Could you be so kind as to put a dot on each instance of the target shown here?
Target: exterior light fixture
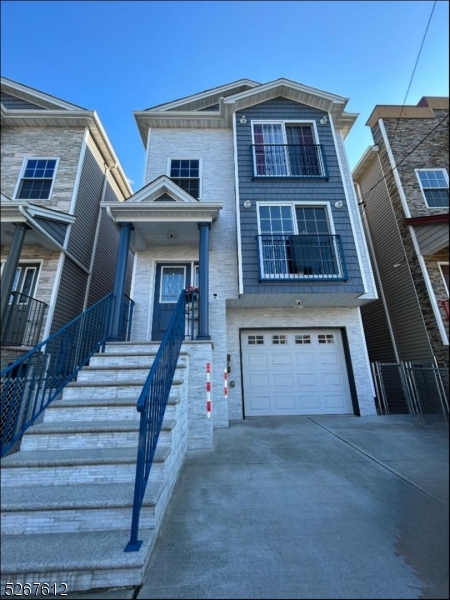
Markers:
(324, 120)
(247, 204)
(339, 204)
(243, 120)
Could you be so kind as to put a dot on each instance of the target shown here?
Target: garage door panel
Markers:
(283, 380)
(294, 372)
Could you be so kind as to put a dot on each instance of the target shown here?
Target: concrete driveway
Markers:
(296, 507)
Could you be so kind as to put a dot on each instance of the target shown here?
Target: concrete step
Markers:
(129, 359)
(69, 508)
(103, 409)
(120, 374)
(130, 347)
(84, 561)
(92, 434)
(67, 467)
(106, 389)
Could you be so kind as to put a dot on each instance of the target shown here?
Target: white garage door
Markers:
(295, 372)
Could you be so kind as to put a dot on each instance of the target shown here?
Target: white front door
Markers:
(295, 372)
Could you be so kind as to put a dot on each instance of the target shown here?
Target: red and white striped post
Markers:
(208, 390)
(225, 383)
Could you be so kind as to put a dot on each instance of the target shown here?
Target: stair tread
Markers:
(77, 457)
(109, 383)
(53, 552)
(115, 402)
(121, 368)
(76, 497)
(91, 426)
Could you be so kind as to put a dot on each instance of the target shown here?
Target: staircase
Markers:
(67, 496)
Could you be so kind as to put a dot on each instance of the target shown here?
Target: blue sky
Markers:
(116, 57)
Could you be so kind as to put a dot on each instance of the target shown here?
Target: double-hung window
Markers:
(186, 174)
(287, 150)
(434, 186)
(296, 242)
(37, 178)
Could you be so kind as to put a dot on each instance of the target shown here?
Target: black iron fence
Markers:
(411, 388)
(23, 321)
(289, 160)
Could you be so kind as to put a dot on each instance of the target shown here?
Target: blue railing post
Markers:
(119, 283)
(203, 301)
(10, 268)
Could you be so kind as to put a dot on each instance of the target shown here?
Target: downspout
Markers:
(97, 233)
(375, 266)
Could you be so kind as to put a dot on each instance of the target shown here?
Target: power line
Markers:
(414, 70)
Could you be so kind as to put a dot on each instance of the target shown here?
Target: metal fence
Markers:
(420, 390)
(23, 321)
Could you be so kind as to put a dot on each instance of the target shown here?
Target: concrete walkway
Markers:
(335, 507)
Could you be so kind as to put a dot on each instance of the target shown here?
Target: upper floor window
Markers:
(37, 178)
(287, 150)
(434, 186)
(186, 174)
(297, 242)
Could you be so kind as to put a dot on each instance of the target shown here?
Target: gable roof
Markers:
(48, 111)
(159, 186)
(193, 112)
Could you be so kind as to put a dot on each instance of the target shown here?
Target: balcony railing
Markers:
(445, 304)
(301, 257)
(23, 321)
(289, 160)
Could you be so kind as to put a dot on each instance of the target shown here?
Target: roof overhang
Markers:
(364, 163)
(71, 118)
(13, 212)
(222, 119)
(35, 96)
(429, 220)
(128, 212)
(394, 111)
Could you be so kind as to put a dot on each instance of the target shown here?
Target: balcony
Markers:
(23, 322)
(289, 161)
(306, 257)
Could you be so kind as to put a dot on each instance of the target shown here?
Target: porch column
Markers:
(10, 269)
(119, 284)
(203, 276)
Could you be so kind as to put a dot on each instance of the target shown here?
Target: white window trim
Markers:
(25, 262)
(283, 123)
(417, 171)
(443, 262)
(303, 204)
(200, 171)
(22, 171)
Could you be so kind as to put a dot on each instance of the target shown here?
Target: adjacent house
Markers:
(58, 247)
(402, 185)
(249, 184)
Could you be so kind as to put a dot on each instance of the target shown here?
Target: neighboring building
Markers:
(402, 183)
(58, 248)
(259, 174)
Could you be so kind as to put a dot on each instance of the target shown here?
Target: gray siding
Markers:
(104, 272)
(55, 229)
(404, 311)
(14, 103)
(82, 233)
(291, 190)
(70, 300)
(432, 238)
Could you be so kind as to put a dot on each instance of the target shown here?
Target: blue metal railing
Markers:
(31, 383)
(192, 299)
(314, 256)
(23, 322)
(126, 319)
(152, 404)
(289, 160)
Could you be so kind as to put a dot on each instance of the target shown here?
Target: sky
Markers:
(118, 57)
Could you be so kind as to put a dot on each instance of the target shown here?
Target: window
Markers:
(434, 186)
(279, 340)
(326, 339)
(173, 281)
(186, 174)
(286, 150)
(37, 179)
(253, 340)
(302, 339)
(296, 242)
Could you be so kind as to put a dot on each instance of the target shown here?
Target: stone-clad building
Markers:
(402, 183)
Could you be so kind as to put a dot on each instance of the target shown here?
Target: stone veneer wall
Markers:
(308, 317)
(430, 154)
(52, 142)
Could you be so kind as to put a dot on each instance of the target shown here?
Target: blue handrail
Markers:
(31, 383)
(152, 404)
